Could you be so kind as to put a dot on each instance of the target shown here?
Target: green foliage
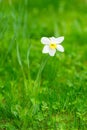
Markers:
(39, 92)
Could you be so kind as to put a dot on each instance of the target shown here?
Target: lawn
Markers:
(37, 91)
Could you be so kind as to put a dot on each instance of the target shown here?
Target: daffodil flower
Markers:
(52, 44)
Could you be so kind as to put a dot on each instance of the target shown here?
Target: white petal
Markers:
(60, 48)
(59, 39)
(45, 49)
(52, 52)
(45, 40)
(52, 39)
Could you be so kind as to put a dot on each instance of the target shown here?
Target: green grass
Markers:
(39, 92)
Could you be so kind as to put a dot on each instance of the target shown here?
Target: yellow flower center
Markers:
(53, 46)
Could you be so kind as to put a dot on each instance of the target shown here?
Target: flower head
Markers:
(52, 44)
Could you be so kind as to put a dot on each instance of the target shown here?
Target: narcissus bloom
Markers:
(52, 44)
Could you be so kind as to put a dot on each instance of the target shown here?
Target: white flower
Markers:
(52, 44)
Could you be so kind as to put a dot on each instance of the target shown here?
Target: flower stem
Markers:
(42, 66)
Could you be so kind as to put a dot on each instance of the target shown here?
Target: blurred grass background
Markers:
(59, 102)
